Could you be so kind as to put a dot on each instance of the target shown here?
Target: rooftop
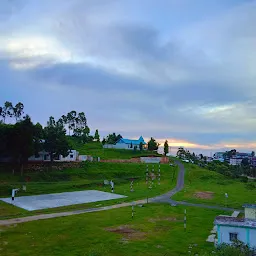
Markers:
(253, 206)
(237, 222)
(134, 142)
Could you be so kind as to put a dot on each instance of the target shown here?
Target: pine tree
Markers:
(166, 148)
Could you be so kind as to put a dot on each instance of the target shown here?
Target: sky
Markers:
(181, 70)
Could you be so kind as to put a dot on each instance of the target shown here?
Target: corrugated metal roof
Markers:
(250, 206)
(134, 142)
(237, 222)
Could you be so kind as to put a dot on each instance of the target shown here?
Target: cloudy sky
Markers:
(182, 70)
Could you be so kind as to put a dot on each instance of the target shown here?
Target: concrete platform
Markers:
(45, 201)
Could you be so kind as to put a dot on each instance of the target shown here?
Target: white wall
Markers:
(244, 234)
(120, 146)
(42, 156)
(252, 237)
(250, 213)
(72, 157)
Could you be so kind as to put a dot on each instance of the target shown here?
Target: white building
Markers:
(41, 157)
(72, 157)
(230, 229)
(235, 161)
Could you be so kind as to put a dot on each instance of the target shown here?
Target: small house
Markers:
(230, 229)
(127, 144)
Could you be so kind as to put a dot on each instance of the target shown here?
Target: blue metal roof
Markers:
(133, 142)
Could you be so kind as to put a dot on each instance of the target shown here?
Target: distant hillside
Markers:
(96, 149)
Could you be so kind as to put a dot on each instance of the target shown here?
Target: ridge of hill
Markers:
(96, 149)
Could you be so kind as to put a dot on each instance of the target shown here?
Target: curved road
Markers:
(165, 198)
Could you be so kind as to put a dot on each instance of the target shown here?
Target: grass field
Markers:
(91, 176)
(199, 180)
(96, 149)
(155, 230)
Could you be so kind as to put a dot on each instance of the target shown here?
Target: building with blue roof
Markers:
(130, 144)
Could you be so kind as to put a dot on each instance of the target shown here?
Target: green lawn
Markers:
(96, 149)
(200, 180)
(155, 230)
(90, 176)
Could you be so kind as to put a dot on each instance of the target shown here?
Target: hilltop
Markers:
(96, 149)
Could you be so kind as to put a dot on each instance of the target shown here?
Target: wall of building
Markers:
(72, 157)
(223, 234)
(250, 213)
(120, 146)
(252, 237)
(42, 156)
(245, 234)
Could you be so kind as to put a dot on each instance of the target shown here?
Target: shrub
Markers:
(250, 186)
(244, 179)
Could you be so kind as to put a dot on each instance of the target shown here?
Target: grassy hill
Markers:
(96, 149)
(155, 230)
(89, 177)
(204, 186)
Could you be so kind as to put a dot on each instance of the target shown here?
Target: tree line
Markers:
(22, 139)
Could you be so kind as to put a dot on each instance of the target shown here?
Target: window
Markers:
(232, 237)
(71, 156)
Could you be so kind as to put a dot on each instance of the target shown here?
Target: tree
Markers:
(141, 146)
(231, 153)
(97, 136)
(80, 124)
(37, 137)
(131, 145)
(71, 120)
(166, 148)
(245, 162)
(113, 138)
(7, 110)
(152, 144)
(56, 142)
(253, 154)
(22, 141)
(18, 111)
(181, 152)
(103, 141)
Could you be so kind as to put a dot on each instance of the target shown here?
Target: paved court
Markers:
(39, 202)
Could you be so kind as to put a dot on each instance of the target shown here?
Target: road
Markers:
(165, 198)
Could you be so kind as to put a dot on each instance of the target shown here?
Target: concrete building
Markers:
(235, 161)
(42, 156)
(71, 157)
(127, 144)
(253, 161)
(230, 229)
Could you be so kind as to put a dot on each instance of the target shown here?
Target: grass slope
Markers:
(90, 176)
(158, 230)
(198, 179)
(96, 149)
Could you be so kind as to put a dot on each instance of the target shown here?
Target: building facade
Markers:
(235, 161)
(127, 144)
